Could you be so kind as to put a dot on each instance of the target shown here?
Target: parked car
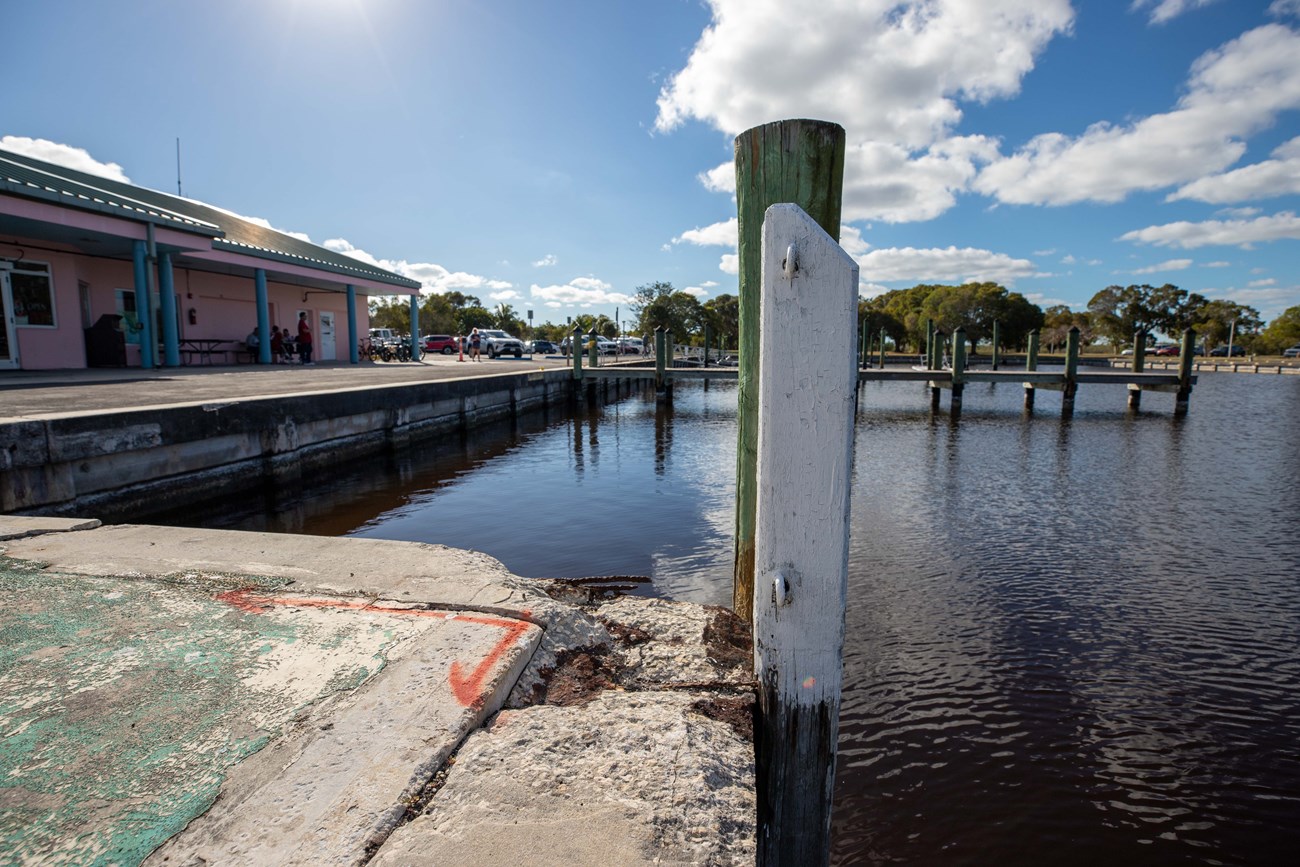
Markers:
(444, 343)
(604, 345)
(542, 347)
(497, 343)
(630, 345)
(1293, 352)
(1223, 350)
(1167, 349)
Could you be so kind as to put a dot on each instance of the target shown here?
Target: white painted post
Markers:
(806, 406)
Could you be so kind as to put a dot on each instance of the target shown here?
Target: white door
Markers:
(8, 340)
(327, 336)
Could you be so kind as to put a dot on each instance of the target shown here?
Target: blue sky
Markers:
(556, 155)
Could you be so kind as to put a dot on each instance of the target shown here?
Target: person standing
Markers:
(475, 344)
(304, 339)
(277, 345)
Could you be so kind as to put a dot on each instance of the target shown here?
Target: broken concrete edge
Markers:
(22, 527)
(625, 644)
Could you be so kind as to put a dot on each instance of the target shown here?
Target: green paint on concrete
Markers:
(123, 702)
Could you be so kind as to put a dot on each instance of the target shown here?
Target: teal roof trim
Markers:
(32, 178)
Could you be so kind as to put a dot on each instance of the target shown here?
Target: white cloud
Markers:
(1280, 8)
(909, 61)
(1260, 284)
(697, 291)
(941, 265)
(720, 179)
(724, 234)
(258, 221)
(63, 155)
(1217, 265)
(580, 291)
(851, 240)
(433, 277)
(1269, 300)
(730, 264)
(546, 261)
(1242, 233)
(709, 284)
(1232, 92)
(1170, 265)
(505, 295)
(1167, 10)
(871, 290)
(1068, 259)
(1279, 176)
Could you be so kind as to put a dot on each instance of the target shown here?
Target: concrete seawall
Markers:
(147, 459)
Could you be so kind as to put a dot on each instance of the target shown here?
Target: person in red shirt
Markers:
(304, 339)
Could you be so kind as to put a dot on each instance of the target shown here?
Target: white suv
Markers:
(496, 343)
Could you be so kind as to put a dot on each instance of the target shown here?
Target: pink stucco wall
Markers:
(223, 308)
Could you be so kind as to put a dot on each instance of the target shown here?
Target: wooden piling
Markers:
(996, 344)
(805, 459)
(882, 349)
(958, 368)
(799, 161)
(1139, 363)
(593, 349)
(1183, 396)
(929, 344)
(864, 345)
(708, 338)
(575, 346)
(1031, 363)
(1071, 384)
(660, 346)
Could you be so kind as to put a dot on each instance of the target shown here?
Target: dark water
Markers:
(1069, 642)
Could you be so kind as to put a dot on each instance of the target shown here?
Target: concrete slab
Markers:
(631, 778)
(125, 704)
(18, 527)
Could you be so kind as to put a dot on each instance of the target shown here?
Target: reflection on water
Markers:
(1068, 641)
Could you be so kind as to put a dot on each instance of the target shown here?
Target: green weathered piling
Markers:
(593, 348)
(882, 349)
(1139, 363)
(996, 344)
(929, 344)
(958, 369)
(1071, 384)
(660, 345)
(575, 347)
(1031, 363)
(1183, 396)
(794, 161)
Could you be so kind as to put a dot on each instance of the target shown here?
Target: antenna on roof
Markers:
(178, 166)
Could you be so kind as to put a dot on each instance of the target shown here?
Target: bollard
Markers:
(1071, 371)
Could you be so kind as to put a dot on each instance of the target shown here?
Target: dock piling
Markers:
(1183, 396)
(1031, 364)
(1071, 384)
(958, 368)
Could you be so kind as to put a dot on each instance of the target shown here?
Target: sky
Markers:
(557, 155)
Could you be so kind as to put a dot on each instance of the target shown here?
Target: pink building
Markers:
(164, 280)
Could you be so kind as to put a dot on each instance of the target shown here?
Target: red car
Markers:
(444, 343)
(1172, 349)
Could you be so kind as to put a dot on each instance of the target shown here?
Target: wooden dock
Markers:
(940, 376)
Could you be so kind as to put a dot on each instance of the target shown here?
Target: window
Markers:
(33, 294)
(126, 309)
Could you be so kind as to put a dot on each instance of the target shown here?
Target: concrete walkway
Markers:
(179, 696)
(33, 394)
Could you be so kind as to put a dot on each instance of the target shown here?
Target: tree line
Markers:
(1113, 316)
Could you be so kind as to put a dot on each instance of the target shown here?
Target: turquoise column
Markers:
(167, 302)
(263, 318)
(142, 312)
(354, 352)
(415, 327)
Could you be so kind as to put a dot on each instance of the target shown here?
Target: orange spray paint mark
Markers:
(468, 689)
